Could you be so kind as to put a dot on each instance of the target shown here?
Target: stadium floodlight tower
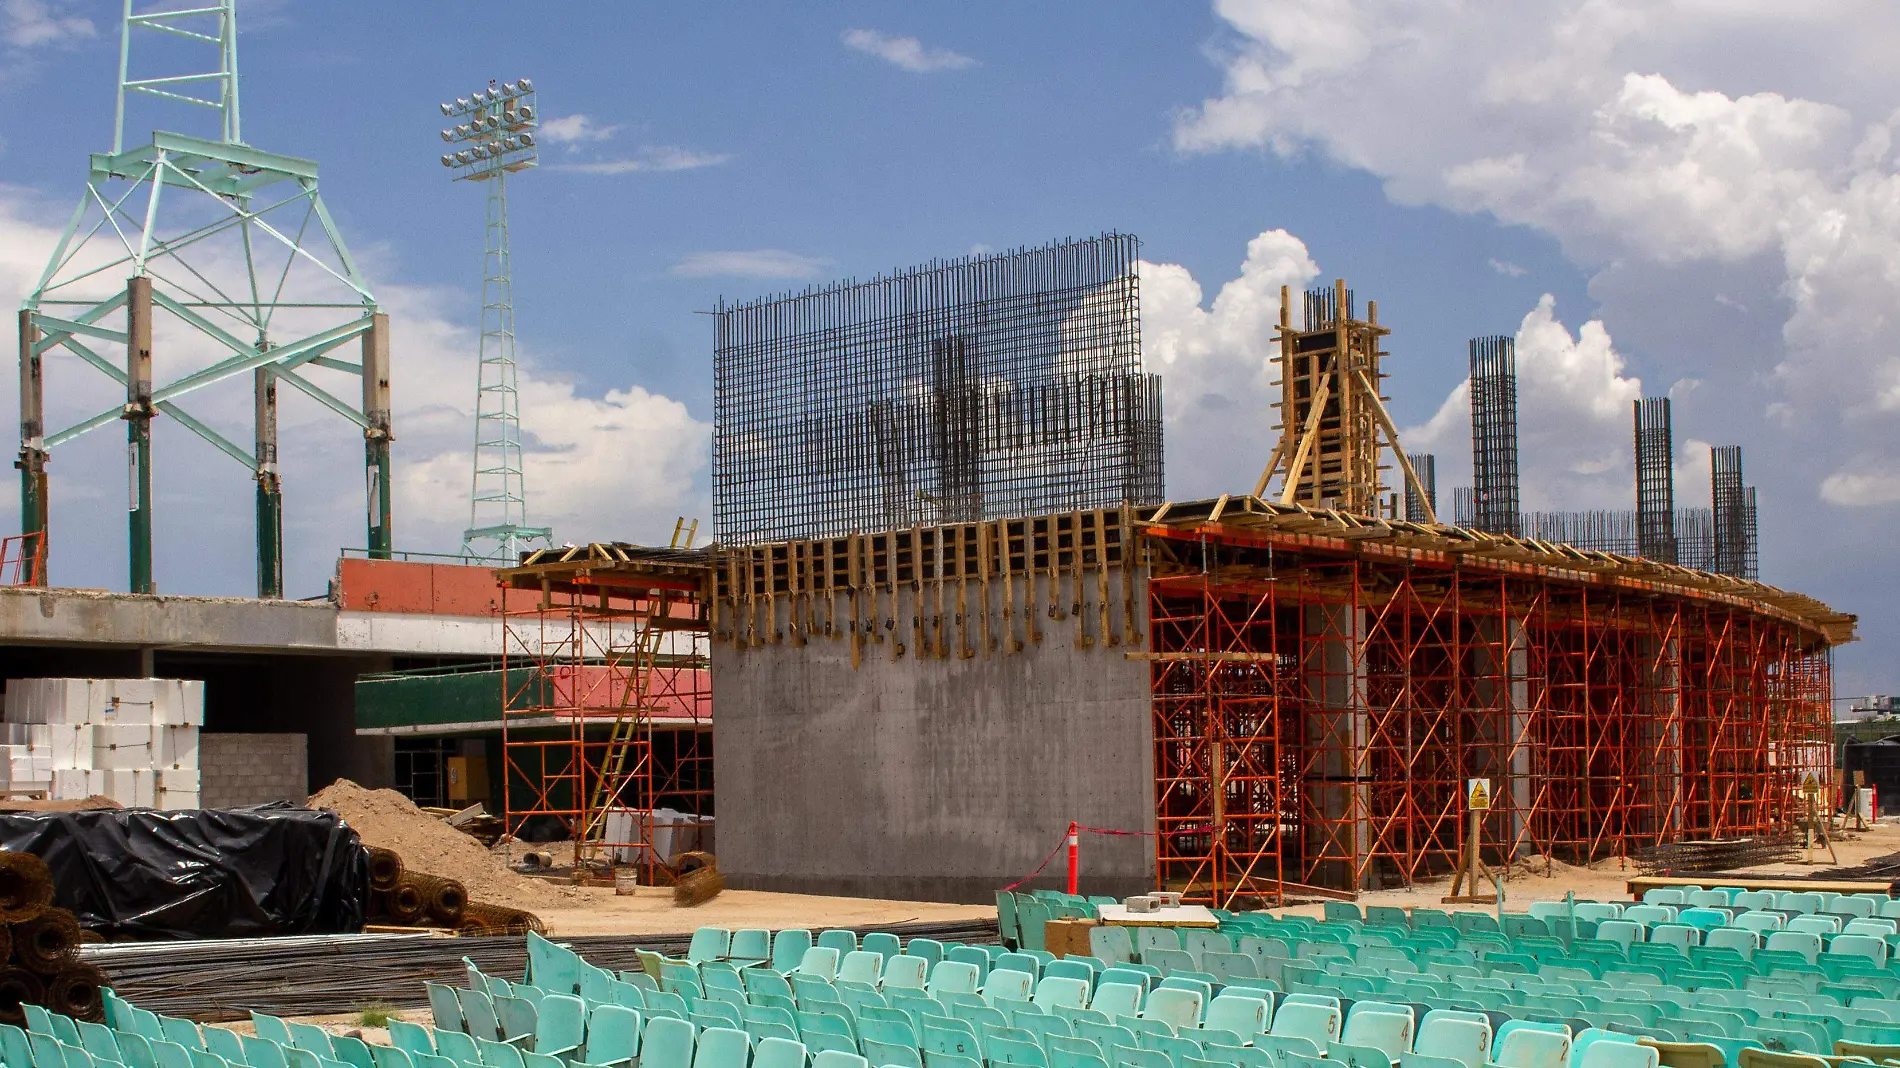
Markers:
(496, 139)
(210, 260)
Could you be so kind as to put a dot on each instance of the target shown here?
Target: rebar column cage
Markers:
(1494, 485)
(607, 697)
(1655, 479)
(1421, 500)
(1324, 685)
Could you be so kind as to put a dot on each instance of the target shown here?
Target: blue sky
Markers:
(1653, 183)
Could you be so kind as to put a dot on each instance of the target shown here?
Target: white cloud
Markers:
(570, 130)
(1508, 269)
(747, 263)
(907, 53)
(1216, 363)
(1573, 415)
(35, 23)
(653, 158)
(1862, 487)
(1647, 137)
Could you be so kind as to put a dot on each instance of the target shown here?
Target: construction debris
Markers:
(40, 947)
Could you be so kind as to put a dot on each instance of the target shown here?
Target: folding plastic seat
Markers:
(1806, 943)
(1527, 1044)
(778, 1053)
(788, 949)
(1056, 990)
(709, 943)
(1598, 911)
(1074, 1053)
(1718, 898)
(1383, 1026)
(904, 972)
(1111, 943)
(1760, 922)
(1170, 960)
(390, 1057)
(1874, 925)
(1751, 900)
(1649, 914)
(1791, 901)
(1821, 925)
(1872, 947)
(1118, 999)
(859, 966)
(1611, 1054)
(349, 1050)
(1005, 984)
(1240, 1014)
(1664, 895)
(1032, 916)
(1201, 942)
(1021, 961)
(832, 1058)
(882, 943)
(1675, 934)
(1147, 938)
(820, 963)
(953, 977)
(1450, 1041)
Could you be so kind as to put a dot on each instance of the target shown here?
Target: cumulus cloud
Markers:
(650, 158)
(1617, 127)
(1573, 405)
(1216, 363)
(747, 263)
(905, 53)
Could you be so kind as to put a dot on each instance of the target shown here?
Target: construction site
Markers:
(950, 738)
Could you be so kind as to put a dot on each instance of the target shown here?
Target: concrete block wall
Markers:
(936, 779)
(253, 769)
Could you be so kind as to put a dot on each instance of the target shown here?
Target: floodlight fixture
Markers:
(494, 135)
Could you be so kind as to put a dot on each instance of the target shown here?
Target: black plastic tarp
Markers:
(200, 873)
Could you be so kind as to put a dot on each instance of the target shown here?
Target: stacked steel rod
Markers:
(226, 979)
(39, 946)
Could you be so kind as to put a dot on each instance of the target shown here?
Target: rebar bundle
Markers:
(385, 868)
(982, 388)
(443, 900)
(26, 886)
(47, 942)
(224, 979)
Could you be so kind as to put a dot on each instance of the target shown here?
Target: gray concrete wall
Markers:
(934, 779)
(252, 769)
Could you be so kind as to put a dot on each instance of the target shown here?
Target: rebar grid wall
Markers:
(1425, 465)
(981, 388)
(1655, 479)
(1319, 702)
(1494, 434)
(606, 703)
(1620, 532)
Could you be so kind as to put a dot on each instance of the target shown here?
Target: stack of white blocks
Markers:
(133, 740)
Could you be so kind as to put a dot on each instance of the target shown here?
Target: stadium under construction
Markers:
(951, 611)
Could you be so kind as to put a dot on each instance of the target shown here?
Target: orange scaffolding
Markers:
(1321, 696)
(607, 697)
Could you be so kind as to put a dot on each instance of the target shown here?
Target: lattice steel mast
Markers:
(241, 236)
(496, 140)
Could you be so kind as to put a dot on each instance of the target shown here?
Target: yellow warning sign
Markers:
(1810, 783)
(1477, 794)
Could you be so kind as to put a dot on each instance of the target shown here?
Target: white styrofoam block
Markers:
(39, 736)
(132, 786)
(182, 705)
(71, 746)
(178, 747)
(192, 692)
(172, 800)
(180, 779)
(123, 745)
(19, 734)
(70, 784)
(136, 691)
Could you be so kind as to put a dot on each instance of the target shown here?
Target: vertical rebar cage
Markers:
(1655, 479)
(981, 388)
(1494, 434)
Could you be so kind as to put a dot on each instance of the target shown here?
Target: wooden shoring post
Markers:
(1083, 639)
(1131, 577)
(917, 591)
(894, 621)
(855, 578)
(1010, 644)
(1057, 609)
(1032, 602)
(1109, 637)
(941, 647)
(795, 587)
(964, 551)
(984, 540)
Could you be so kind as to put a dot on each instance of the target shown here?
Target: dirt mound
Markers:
(388, 819)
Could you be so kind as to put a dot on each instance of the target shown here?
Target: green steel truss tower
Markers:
(210, 260)
(496, 139)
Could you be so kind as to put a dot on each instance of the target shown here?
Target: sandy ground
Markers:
(651, 911)
(1609, 880)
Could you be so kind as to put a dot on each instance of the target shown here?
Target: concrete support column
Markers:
(1502, 689)
(1660, 781)
(377, 436)
(138, 430)
(1338, 779)
(270, 495)
(32, 463)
